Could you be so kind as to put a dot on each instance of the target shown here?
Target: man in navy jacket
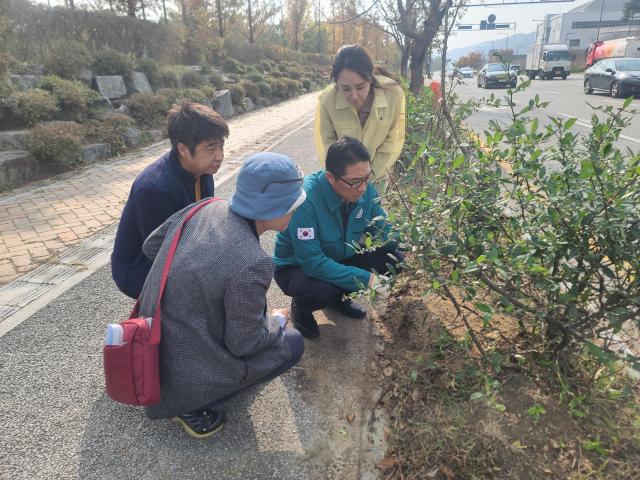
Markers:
(180, 177)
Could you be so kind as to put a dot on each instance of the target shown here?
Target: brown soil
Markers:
(527, 427)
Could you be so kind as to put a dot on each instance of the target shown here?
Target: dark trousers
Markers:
(296, 345)
(312, 294)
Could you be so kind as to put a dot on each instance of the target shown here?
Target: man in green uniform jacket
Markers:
(317, 259)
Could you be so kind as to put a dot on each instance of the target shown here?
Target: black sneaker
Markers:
(304, 322)
(350, 309)
(201, 423)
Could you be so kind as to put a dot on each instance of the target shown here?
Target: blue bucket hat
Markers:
(269, 186)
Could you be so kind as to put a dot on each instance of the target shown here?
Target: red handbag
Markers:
(132, 368)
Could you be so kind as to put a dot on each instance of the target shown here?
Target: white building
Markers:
(579, 27)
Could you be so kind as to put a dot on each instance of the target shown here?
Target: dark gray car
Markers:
(618, 76)
(496, 75)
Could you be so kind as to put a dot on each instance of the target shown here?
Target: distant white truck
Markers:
(548, 61)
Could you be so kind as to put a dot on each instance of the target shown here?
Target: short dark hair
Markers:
(193, 123)
(343, 152)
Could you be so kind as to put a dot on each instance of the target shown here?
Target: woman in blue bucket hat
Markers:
(217, 338)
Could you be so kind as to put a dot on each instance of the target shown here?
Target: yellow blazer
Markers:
(383, 133)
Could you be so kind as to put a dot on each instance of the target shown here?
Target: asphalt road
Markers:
(57, 422)
(566, 99)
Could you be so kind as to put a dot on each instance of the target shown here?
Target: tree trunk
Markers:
(144, 14)
(164, 10)
(131, 8)
(185, 13)
(404, 59)
(418, 52)
(220, 19)
(250, 19)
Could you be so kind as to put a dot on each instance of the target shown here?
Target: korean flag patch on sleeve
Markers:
(306, 233)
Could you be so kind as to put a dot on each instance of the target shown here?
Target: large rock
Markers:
(248, 105)
(96, 152)
(18, 167)
(101, 102)
(13, 140)
(140, 83)
(85, 76)
(222, 103)
(110, 86)
(25, 82)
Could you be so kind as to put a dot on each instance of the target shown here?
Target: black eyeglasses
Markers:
(290, 180)
(359, 183)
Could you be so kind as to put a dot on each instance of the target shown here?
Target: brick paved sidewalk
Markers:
(39, 221)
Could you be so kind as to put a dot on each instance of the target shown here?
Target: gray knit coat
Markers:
(215, 337)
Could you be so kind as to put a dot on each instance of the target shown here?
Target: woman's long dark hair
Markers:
(356, 59)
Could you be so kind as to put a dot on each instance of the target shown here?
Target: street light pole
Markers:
(600, 21)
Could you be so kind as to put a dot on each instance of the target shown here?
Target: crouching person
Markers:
(216, 337)
(316, 261)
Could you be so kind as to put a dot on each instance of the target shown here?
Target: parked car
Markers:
(496, 75)
(620, 77)
(466, 72)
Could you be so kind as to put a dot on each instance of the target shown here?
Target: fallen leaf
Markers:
(448, 472)
(350, 417)
(388, 371)
(518, 445)
(433, 473)
(386, 462)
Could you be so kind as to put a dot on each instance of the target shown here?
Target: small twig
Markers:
(461, 315)
(378, 402)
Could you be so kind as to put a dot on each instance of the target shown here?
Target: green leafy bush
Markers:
(33, 105)
(255, 77)
(57, 145)
(237, 93)
(150, 68)
(231, 65)
(267, 66)
(293, 87)
(73, 97)
(168, 77)
(67, 58)
(216, 80)
(192, 79)
(202, 95)
(250, 88)
(265, 89)
(540, 224)
(150, 108)
(278, 87)
(112, 62)
(112, 129)
(5, 85)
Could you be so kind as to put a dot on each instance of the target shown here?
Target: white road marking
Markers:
(585, 123)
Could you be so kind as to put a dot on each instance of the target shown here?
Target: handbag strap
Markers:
(155, 327)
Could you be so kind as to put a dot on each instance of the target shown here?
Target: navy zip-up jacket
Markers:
(163, 188)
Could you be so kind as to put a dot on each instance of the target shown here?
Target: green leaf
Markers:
(413, 375)
(476, 396)
(458, 161)
(500, 407)
(483, 307)
(569, 123)
(627, 102)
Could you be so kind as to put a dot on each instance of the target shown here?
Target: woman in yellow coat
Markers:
(364, 102)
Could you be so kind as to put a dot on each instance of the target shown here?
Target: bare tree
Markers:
(297, 10)
(258, 14)
(429, 14)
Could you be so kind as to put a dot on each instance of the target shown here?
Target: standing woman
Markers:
(364, 102)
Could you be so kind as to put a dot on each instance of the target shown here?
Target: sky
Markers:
(522, 15)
